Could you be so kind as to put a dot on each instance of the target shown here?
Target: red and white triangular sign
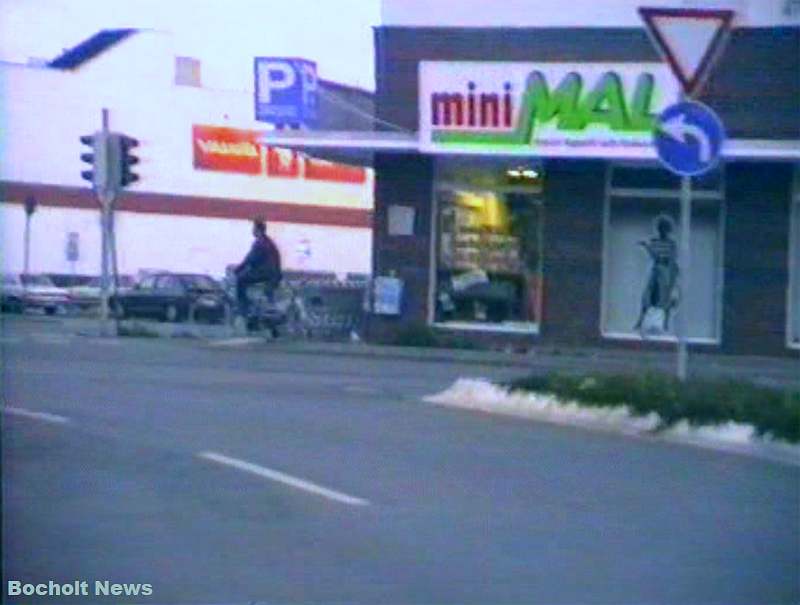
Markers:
(689, 40)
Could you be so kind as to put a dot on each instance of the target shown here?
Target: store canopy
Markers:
(351, 147)
(359, 146)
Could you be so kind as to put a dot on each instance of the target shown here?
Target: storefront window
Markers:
(488, 258)
(794, 268)
(644, 285)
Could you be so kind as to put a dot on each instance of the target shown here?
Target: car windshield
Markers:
(37, 280)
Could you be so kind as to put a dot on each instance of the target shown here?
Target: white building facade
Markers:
(198, 191)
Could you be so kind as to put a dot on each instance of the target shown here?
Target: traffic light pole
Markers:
(111, 161)
(106, 197)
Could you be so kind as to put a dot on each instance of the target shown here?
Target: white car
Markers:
(88, 295)
(20, 292)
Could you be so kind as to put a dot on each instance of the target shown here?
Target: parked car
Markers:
(171, 296)
(20, 292)
(87, 295)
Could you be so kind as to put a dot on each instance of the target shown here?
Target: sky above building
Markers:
(224, 34)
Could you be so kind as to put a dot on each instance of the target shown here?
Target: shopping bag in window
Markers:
(653, 323)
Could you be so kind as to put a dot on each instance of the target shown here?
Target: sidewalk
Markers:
(766, 370)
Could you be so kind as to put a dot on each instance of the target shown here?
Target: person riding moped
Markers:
(262, 265)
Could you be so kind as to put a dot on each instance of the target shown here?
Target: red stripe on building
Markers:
(178, 205)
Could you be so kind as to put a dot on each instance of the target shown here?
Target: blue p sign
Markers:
(286, 91)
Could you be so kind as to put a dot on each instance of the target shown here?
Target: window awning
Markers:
(350, 147)
(359, 146)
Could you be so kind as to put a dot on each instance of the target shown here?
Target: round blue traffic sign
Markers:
(688, 138)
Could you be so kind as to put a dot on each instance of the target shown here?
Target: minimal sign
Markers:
(286, 91)
(546, 109)
(688, 138)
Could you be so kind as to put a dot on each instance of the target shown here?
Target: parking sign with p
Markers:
(286, 91)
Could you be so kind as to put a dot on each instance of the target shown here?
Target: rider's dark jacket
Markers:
(263, 262)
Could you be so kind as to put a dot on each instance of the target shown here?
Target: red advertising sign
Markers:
(226, 149)
(231, 150)
(283, 163)
(322, 170)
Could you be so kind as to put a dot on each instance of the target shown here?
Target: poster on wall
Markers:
(388, 295)
(552, 109)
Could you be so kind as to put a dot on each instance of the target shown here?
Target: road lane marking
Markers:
(273, 475)
(50, 337)
(35, 415)
(361, 390)
(240, 341)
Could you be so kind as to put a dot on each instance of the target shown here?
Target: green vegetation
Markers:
(423, 336)
(136, 330)
(771, 411)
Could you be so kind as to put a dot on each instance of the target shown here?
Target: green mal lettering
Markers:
(604, 104)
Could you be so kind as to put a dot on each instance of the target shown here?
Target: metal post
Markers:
(27, 242)
(685, 254)
(106, 199)
(112, 242)
(104, 269)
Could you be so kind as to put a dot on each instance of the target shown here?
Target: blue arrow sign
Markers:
(688, 138)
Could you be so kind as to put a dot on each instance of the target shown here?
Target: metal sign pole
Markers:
(684, 261)
(27, 243)
(689, 136)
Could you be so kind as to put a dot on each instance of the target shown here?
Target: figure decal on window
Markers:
(661, 293)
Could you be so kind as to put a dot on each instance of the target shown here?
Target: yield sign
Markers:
(689, 40)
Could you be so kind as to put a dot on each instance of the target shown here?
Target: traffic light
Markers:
(97, 159)
(126, 160)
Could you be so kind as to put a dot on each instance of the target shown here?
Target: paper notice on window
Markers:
(401, 220)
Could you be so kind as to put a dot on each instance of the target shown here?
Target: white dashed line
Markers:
(300, 484)
(35, 415)
(241, 341)
(361, 390)
(51, 339)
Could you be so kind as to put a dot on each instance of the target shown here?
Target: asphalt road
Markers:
(232, 476)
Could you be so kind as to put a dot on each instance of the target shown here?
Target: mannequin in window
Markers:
(661, 291)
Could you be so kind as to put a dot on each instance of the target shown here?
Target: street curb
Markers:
(608, 420)
(372, 352)
(538, 359)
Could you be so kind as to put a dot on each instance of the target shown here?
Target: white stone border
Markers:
(482, 395)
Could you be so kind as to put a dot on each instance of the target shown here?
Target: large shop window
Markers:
(643, 284)
(793, 331)
(488, 249)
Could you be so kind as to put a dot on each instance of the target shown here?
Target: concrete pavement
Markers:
(765, 370)
(462, 507)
